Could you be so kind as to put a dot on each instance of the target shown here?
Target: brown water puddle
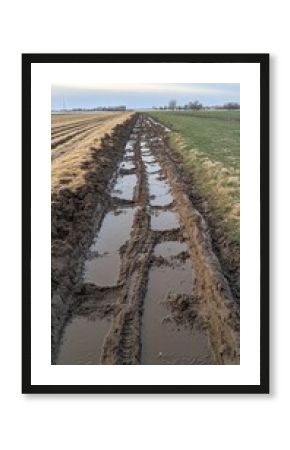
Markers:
(146, 153)
(129, 155)
(170, 249)
(156, 178)
(164, 220)
(130, 145)
(161, 200)
(159, 191)
(83, 340)
(163, 341)
(115, 230)
(103, 270)
(152, 168)
(127, 165)
(103, 265)
(124, 187)
(148, 158)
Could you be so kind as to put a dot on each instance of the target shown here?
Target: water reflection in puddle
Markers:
(103, 266)
(129, 155)
(127, 165)
(146, 153)
(159, 191)
(164, 220)
(162, 200)
(124, 187)
(163, 341)
(148, 158)
(152, 168)
(115, 230)
(82, 341)
(103, 270)
(168, 249)
(130, 145)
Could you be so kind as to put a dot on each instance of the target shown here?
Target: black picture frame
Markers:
(263, 61)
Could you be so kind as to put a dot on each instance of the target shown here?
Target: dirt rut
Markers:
(149, 289)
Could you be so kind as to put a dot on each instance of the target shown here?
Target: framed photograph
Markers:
(145, 223)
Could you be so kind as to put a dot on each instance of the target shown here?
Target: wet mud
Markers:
(146, 286)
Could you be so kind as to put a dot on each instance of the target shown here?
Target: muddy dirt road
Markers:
(149, 289)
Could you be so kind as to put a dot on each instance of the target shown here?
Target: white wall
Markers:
(53, 422)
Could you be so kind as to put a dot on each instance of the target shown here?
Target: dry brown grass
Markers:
(68, 118)
(66, 169)
(220, 185)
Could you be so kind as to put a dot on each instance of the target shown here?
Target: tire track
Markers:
(216, 308)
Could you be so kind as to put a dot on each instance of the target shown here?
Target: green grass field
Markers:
(209, 142)
(215, 133)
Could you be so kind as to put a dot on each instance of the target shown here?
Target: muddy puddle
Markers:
(103, 270)
(164, 220)
(161, 200)
(127, 165)
(129, 155)
(163, 340)
(152, 168)
(148, 158)
(82, 341)
(130, 145)
(124, 187)
(169, 249)
(159, 189)
(103, 265)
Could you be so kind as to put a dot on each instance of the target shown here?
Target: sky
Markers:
(141, 95)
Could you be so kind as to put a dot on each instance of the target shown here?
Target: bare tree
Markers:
(172, 104)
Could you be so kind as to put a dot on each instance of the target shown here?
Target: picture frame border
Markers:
(261, 58)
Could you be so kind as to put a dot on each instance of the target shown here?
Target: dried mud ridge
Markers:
(145, 165)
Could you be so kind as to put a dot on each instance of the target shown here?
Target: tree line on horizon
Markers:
(96, 108)
(195, 106)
